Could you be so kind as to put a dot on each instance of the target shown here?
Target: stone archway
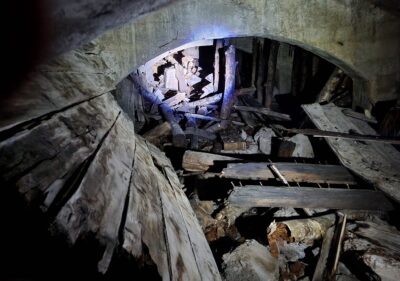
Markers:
(64, 119)
(356, 36)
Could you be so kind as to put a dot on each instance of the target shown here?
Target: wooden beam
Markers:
(260, 69)
(60, 144)
(373, 161)
(194, 161)
(205, 101)
(296, 70)
(211, 118)
(331, 134)
(269, 84)
(218, 45)
(308, 197)
(264, 111)
(254, 62)
(349, 112)
(292, 172)
(229, 87)
(178, 136)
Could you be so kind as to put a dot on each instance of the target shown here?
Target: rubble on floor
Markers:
(250, 261)
(277, 199)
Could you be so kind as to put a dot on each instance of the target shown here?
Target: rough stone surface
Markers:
(250, 261)
(76, 22)
(362, 39)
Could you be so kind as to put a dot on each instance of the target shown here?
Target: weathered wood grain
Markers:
(320, 270)
(60, 145)
(229, 85)
(308, 197)
(168, 226)
(375, 162)
(264, 111)
(380, 234)
(194, 161)
(271, 70)
(292, 172)
(98, 203)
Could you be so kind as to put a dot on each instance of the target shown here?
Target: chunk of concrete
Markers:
(250, 261)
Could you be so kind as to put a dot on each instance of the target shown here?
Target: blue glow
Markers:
(208, 31)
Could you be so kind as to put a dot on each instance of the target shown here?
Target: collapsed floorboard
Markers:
(96, 206)
(292, 172)
(108, 184)
(168, 226)
(308, 197)
(60, 144)
(377, 163)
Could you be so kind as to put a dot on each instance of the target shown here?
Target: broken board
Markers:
(251, 196)
(292, 172)
(377, 163)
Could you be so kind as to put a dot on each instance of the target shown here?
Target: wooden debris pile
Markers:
(277, 198)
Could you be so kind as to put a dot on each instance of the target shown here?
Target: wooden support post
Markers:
(269, 86)
(306, 66)
(254, 63)
(218, 45)
(260, 70)
(296, 71)
(228, 99)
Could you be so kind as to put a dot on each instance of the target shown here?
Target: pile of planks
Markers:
(195, 103)
(289, 198)
(312, 220)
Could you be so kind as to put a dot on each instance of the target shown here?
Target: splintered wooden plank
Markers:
(60, 144)
(308, 197)
(377, 163)
(292, 172)
(97, 205)
(159, 216)
(195, 161)
(263, 111)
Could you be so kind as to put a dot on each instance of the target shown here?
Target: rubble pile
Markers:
(276, 197)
